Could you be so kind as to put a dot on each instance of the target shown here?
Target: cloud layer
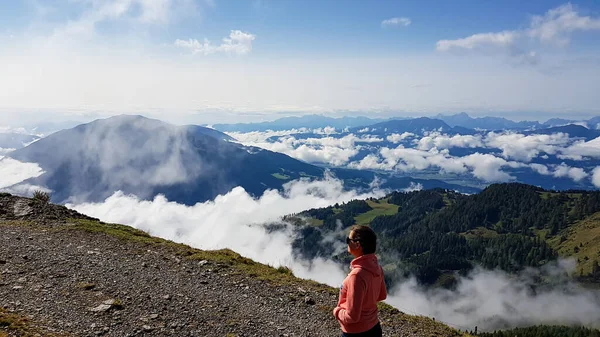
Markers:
(487, 299)
(13, 171)
(486, 156)
(234, 221)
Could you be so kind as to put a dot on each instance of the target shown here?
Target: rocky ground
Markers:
(64, 274)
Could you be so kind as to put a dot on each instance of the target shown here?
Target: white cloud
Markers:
(412, 187)
(327, 155)
(234, 221)
(238, 42)
(328, 130)
(327, 150)
(439, 141)
(253, 137)
(4, 151)
(498, 40)
(596, 176)
(564, 170)
(397, 138)
(371, 162)
(13, 171)
(555, 26)
(580, 150)
(130, 11)
(397, 21)
(540, 168)
(488, 167)
(558, 23)
(525, 148)
(494, 300)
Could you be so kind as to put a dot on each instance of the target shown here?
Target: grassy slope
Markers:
(281, 276)
(379, 208)
(585, 235)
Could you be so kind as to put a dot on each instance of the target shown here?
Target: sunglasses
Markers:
(348, 240)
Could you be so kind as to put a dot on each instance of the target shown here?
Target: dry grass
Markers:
(16, 325)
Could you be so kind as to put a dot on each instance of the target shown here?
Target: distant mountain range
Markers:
(187, 164)
(417, 126)
(308, 121)
(453, 121)
(572, 130)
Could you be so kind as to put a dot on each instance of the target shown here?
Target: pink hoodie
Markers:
(362, 289)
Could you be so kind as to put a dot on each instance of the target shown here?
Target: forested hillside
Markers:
(545, 331)
(435, 234)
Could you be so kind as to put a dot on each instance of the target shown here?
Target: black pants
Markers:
(374, 332)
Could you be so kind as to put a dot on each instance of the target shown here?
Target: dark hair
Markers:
(367, 238)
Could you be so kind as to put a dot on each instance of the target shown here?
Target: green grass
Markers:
(585, 235)
(380, 208)
(479, 232)
(281, 176)
(315, 222)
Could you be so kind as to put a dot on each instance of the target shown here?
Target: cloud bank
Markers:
(487, 299)
(13, 171)
(234, 220)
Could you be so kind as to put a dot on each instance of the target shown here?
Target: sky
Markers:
(211, 61)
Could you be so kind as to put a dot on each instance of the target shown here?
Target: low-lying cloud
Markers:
(486, 167)
(336, 151)
(234, 220)
(13, 171)
(486, 156)
(487, 299)
(495, 300)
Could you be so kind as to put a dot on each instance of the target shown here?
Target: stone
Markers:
(101, 308)
(308, 300)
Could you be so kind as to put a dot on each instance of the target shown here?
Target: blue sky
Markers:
(531, 59)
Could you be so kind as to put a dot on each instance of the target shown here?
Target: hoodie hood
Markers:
(367, 262)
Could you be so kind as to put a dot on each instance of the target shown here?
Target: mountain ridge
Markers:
(462, 120)
(186, 164)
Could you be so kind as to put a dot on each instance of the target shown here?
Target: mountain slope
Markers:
(435, 234)
(147, 157)
(81, 277)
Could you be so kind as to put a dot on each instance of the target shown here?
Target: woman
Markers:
(356, 310)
